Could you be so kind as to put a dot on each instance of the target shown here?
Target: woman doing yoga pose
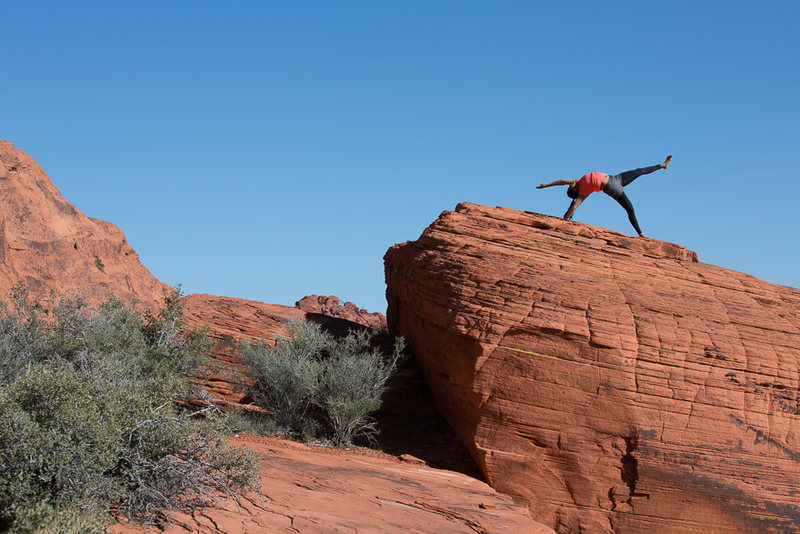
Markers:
(612, 186)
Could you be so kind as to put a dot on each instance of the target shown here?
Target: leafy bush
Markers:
(311, 372)
(88, 418)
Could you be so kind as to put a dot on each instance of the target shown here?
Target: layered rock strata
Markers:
(230, 321)
(612, 384)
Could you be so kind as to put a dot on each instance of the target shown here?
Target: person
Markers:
(612, 186)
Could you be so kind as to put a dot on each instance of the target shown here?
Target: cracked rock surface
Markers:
(611, 383)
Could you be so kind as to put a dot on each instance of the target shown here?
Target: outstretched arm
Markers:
(557, 182)
(572, 208)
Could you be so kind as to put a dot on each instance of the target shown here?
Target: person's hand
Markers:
(541, 186)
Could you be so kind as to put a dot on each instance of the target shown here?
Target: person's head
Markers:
(572, 191)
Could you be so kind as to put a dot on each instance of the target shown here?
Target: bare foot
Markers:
(666, 162)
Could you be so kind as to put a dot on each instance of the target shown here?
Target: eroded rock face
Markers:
(612, 384)
(49, 245)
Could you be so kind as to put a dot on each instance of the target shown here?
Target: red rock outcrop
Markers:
(349, 311)
(318, 490)
(612, 384)
(50, 246)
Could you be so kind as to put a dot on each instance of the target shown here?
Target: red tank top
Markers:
(589, 183)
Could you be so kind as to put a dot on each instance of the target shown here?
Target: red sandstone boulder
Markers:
(51, 246)
(612, 384)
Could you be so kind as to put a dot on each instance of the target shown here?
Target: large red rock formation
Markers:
(50, 246)
(612, 384)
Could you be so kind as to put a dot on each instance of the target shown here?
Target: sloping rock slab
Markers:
(319, 490)
(231, 321)
(613, 384)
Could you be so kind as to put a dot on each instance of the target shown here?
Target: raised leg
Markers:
(629, 176)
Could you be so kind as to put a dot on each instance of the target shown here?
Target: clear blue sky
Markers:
(270, 150)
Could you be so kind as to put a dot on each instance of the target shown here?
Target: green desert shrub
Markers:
(89, 420)
(43, 518)
(311, 380)
(287, 376)
(22, 335)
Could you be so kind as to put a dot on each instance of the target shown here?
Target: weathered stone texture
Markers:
(231, 321)
(612, 384)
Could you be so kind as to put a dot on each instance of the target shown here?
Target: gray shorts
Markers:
(614, 187)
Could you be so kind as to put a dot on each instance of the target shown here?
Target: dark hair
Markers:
(572, 191)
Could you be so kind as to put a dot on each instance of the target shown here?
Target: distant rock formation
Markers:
(50, 246)
(330, 306)
(612, 384)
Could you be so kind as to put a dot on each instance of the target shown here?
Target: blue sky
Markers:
(270, 150)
